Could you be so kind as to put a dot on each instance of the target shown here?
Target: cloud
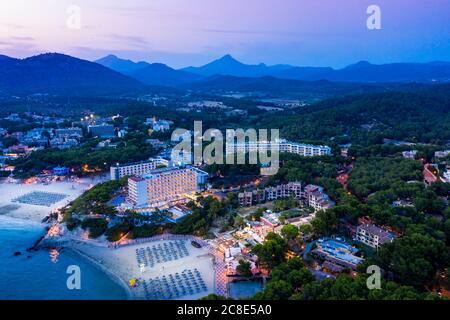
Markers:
(13, 26)
(129, 8)
(274, 32)
(18, 38)
(134, 41)
(19, 46)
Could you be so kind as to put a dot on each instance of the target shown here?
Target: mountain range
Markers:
(54, 73)
(362, 71)
(227, 65)
(149, 73)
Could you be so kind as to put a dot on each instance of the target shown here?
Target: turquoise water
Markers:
(244, 289)
(42, 274)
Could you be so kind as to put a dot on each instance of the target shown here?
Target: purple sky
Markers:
(192, 32)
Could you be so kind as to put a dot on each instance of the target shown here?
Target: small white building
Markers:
(159, 125)
(442, 154)
(447, 176)
(411, 154)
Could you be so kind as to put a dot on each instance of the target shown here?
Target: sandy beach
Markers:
(121, 264)
(11, 191)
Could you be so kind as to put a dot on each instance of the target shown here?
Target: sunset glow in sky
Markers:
(192, 32)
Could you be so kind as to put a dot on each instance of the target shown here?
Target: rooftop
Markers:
(136, 179)
(339, 249)
(373, 229)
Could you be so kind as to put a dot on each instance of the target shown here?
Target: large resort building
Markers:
(137, 169)
(165, 186)
(306, 150)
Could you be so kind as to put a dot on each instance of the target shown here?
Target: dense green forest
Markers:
(367, 119)
(412, 264)
(373, 174)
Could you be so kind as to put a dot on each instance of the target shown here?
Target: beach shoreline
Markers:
(121, 262)
(114, 277)
(9, 192)
(36, 214)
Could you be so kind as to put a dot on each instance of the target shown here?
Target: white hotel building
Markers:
(161, 187)
(137, 169)
(306, 150)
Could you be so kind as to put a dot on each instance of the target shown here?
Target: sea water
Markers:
(43, 274)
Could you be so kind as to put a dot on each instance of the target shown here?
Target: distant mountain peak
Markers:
(114, 58)
(52, 57)
(360, 64)
(228, 65)
(124, 66)
(362, 71)
(110, 57)
(228, 57)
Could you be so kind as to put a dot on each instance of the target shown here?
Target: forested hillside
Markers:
(415, 117)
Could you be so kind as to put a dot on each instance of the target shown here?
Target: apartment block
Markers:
(284, 191)
(317, 198)
(101, 130)
(311, 195)
(249, 198)
(283, 145)
(373, 236)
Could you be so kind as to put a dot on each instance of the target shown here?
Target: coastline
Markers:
(9, 192)
(44, 268)
(43, 242)
(120, 263)
(33, 214)
(114, 277)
